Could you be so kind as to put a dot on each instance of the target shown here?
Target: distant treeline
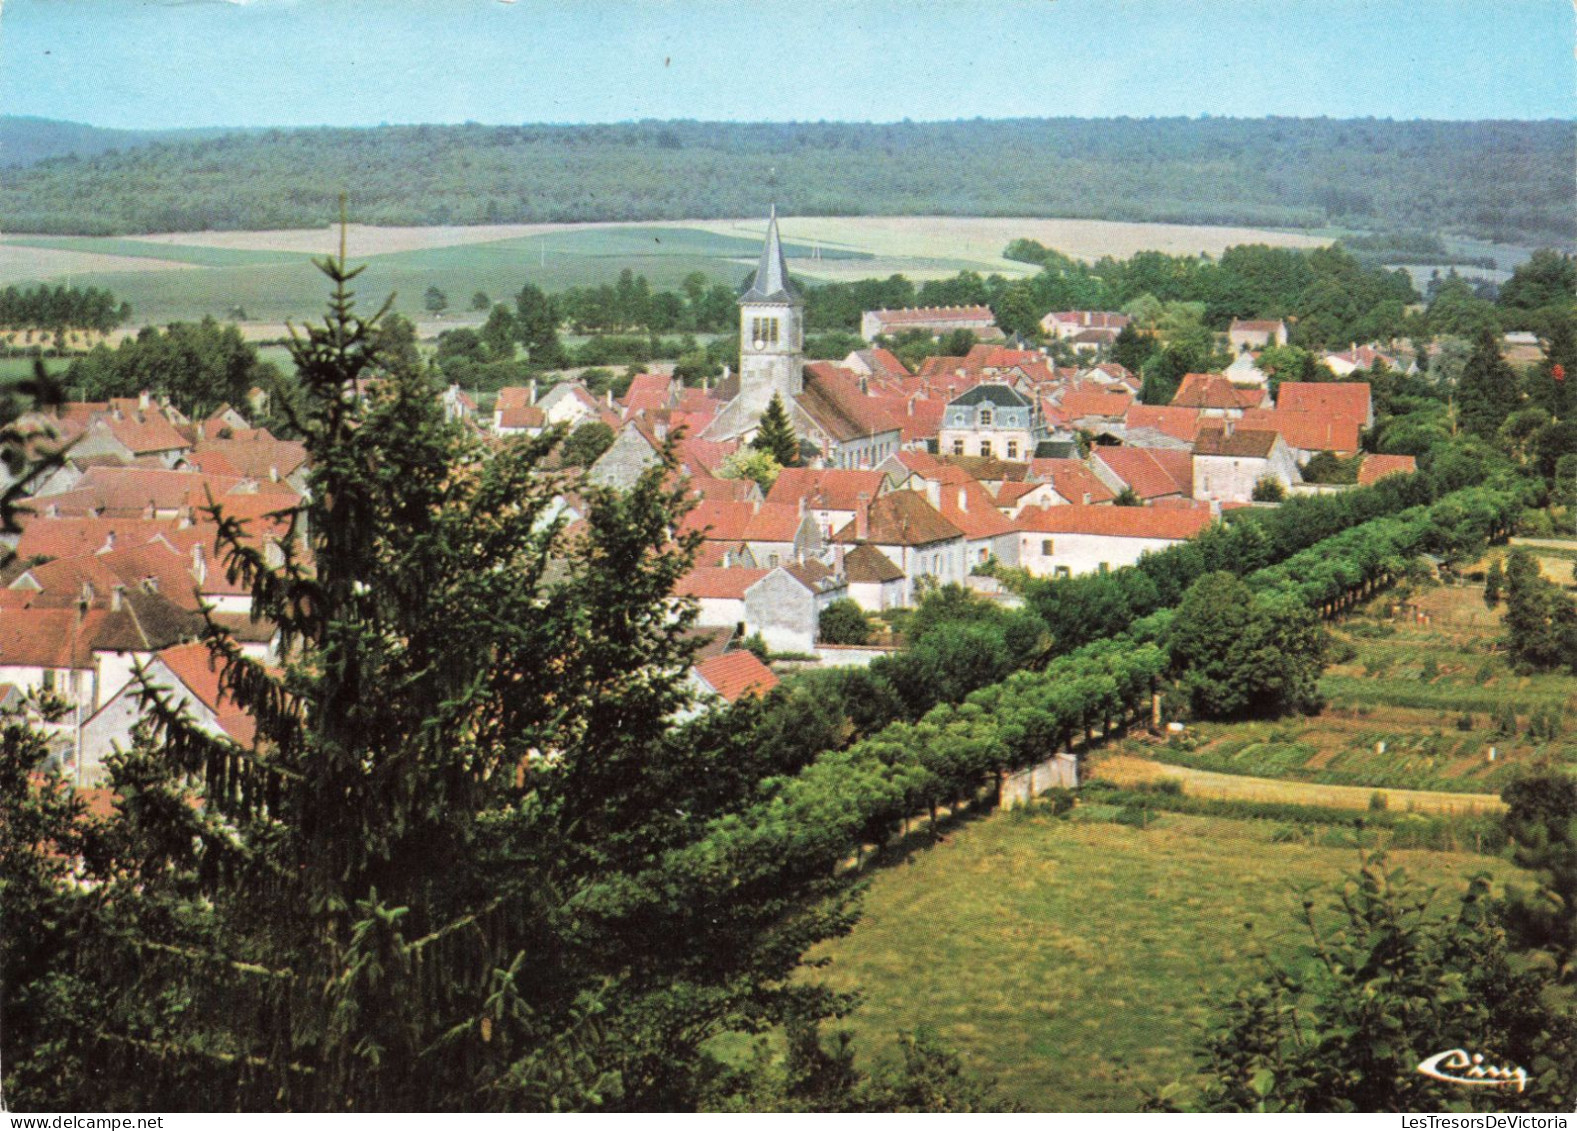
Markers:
(1504, 181)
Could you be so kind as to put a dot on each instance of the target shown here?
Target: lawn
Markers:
(1074, 960)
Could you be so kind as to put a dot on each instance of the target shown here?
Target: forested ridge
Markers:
(1502, 180)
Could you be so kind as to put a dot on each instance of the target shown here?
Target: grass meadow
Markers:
(1075, 959)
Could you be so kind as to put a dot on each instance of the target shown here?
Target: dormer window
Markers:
(985, 418)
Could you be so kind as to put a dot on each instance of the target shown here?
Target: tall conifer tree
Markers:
(776, 435)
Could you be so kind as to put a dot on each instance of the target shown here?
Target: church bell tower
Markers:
(771, 329)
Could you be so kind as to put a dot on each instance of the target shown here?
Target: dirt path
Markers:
(1546, 543)
(1125, 769)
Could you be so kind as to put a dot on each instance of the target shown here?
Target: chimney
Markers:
(109, 543)
(117, 597)
(933, 493)
(610, 398)
(963, 499)
(199, 564)
(142, 401)
(862, 517)
(532, 396)
(661, 428)
(1086, 498)
(802, 506)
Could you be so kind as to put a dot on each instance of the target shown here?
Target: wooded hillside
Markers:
(1506, 181)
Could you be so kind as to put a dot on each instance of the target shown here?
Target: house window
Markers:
(49, 679)
(958, 447)
(1063, 571)
(1012, 449)
(772, 562)
(1106, 567)
(985, 448)
(1046, 547)
(985, 418)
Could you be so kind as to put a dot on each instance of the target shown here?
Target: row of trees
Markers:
(54, 309)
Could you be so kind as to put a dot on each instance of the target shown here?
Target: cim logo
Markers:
(1458, 1066)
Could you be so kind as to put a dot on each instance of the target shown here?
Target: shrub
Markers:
(1465, 722)
(1378, 802)
(844, 622)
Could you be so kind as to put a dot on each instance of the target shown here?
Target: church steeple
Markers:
(772, 283)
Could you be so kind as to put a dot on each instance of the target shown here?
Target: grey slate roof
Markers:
(992, 392)
(772, 282)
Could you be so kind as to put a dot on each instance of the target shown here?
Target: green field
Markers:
(269, 274)
(1074, 959)
(1430, 692)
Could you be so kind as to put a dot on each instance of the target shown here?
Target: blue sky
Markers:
(164, 63)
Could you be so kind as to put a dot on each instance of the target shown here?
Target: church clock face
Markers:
(760, 345)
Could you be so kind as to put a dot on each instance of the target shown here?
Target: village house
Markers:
(719, 594)
(1230, 462)
(188, 675)
(830, 495)
(727, 678)
(875, 583)
(1356, 357)
(1075, 540)
(935, 320)
(1306, 433)
(908, 528)
(1214, 395)
(988, 535)
(1087, 330)
(991, 420)
(785, 606)
(1249, 334)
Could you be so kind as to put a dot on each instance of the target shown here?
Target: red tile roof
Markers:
(196, 667)
(722, 490)
(866, 565)
(902, 518)
(1306, 431)
(1257, 326)
(1346, 399)
(832, 398)
(918, 315)
(1092, 400)
(1115, 522)
(717, 583)
(774, 522)
(743, 522)
(1071, 479)
(1176, 421)
(647, 391)
(1153, 473)
(49, 637)
(735, 674)
(971, 508)
(1215, 390)
(1377, 467)
(1240, 443)
(828, 489)
(68, 537)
